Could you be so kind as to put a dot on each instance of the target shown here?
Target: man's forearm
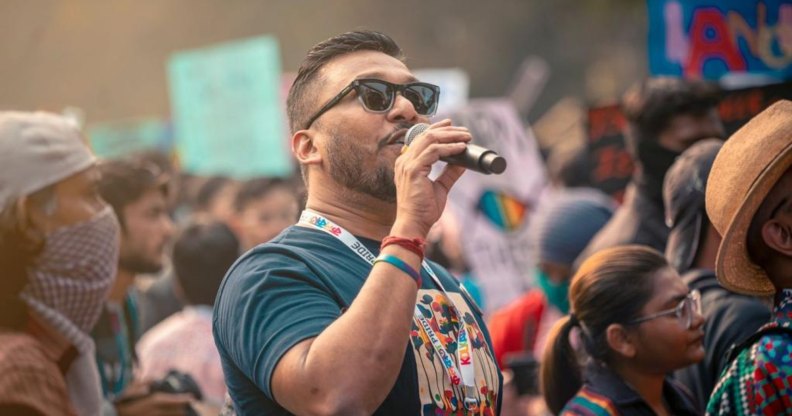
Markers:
(353, 364)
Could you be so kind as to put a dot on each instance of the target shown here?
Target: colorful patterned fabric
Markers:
(759, 380)
(588, 403)
(605, 393)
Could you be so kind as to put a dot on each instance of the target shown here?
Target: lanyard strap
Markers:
(465, 359)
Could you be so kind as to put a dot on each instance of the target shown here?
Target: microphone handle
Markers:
(479, 159)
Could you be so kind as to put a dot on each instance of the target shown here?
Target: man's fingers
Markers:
(444, 135)
(441, 123)
(436, 151)
(449, 176)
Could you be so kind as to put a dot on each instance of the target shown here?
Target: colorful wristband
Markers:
(401, 265)
(416, 245)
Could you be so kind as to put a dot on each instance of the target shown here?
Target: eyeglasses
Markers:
(685, 311)
(377, 96)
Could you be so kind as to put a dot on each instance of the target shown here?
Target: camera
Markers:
(176, 382)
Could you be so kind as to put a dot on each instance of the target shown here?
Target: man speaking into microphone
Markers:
(341, 313)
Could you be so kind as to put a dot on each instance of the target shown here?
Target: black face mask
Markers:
(655, 161)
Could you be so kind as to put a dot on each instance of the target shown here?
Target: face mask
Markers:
(73, 274)
(557, 294)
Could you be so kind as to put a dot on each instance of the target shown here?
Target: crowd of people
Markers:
(132, 288)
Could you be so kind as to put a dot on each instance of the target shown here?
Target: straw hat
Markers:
(746, 168)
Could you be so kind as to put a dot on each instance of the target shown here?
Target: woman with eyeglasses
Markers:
(636, 321)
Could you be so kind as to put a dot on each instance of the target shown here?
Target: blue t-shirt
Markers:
(293, 287)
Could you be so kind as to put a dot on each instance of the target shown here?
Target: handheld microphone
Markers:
(474, 157)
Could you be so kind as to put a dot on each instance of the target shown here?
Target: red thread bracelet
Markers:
(416, 245)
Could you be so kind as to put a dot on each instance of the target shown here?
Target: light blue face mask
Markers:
(557, 293)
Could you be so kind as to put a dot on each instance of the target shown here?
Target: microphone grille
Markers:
(414, 132)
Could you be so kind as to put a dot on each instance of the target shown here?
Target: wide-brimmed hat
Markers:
(750, 163)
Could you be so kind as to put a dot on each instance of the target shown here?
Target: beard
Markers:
(139, 264)
(346, 162)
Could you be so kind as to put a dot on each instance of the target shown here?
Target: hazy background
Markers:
(109, 57)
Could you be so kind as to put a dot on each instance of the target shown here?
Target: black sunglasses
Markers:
(378, 96)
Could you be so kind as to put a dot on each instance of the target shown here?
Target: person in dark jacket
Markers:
(692, 248)
(637, 321)
(665, 116)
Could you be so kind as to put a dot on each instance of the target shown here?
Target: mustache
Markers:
(384, 141)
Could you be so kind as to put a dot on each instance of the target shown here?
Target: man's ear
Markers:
(304, 148)
(620, 340)
(778, 236)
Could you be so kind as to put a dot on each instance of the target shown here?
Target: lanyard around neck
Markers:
(464, 374)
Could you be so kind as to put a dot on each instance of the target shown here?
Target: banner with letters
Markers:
(716, 38)
(494, 211)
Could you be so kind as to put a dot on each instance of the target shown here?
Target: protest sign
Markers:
(716, 38)
(227, 110)
(495, 210)
(611, 166)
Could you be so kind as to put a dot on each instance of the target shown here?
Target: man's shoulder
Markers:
(293, 247)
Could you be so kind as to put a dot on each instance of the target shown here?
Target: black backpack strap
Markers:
(737, 348)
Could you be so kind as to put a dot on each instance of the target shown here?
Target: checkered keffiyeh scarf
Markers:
(68, 283)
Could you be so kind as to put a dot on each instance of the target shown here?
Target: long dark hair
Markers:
(612, 286)
(19, 247)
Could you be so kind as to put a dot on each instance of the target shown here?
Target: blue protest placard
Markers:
(714, 39)
(227, 111)
(123, 137)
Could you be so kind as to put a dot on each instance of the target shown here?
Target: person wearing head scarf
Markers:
(59, 246)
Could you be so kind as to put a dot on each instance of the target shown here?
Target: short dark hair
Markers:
(570, 168)
(124, 181)
(209, 190)
(300, 105)
(257, 188)
(650, 105)
(202, 254)
(163, 161)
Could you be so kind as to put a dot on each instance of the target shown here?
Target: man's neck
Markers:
(780, 272)
(124, 279)
(361, 215)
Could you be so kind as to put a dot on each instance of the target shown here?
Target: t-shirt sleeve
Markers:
(269, 303)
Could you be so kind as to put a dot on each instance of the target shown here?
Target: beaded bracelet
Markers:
(401, 265)
(416, 245)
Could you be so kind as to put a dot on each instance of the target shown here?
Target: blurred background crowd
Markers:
(610, 113)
